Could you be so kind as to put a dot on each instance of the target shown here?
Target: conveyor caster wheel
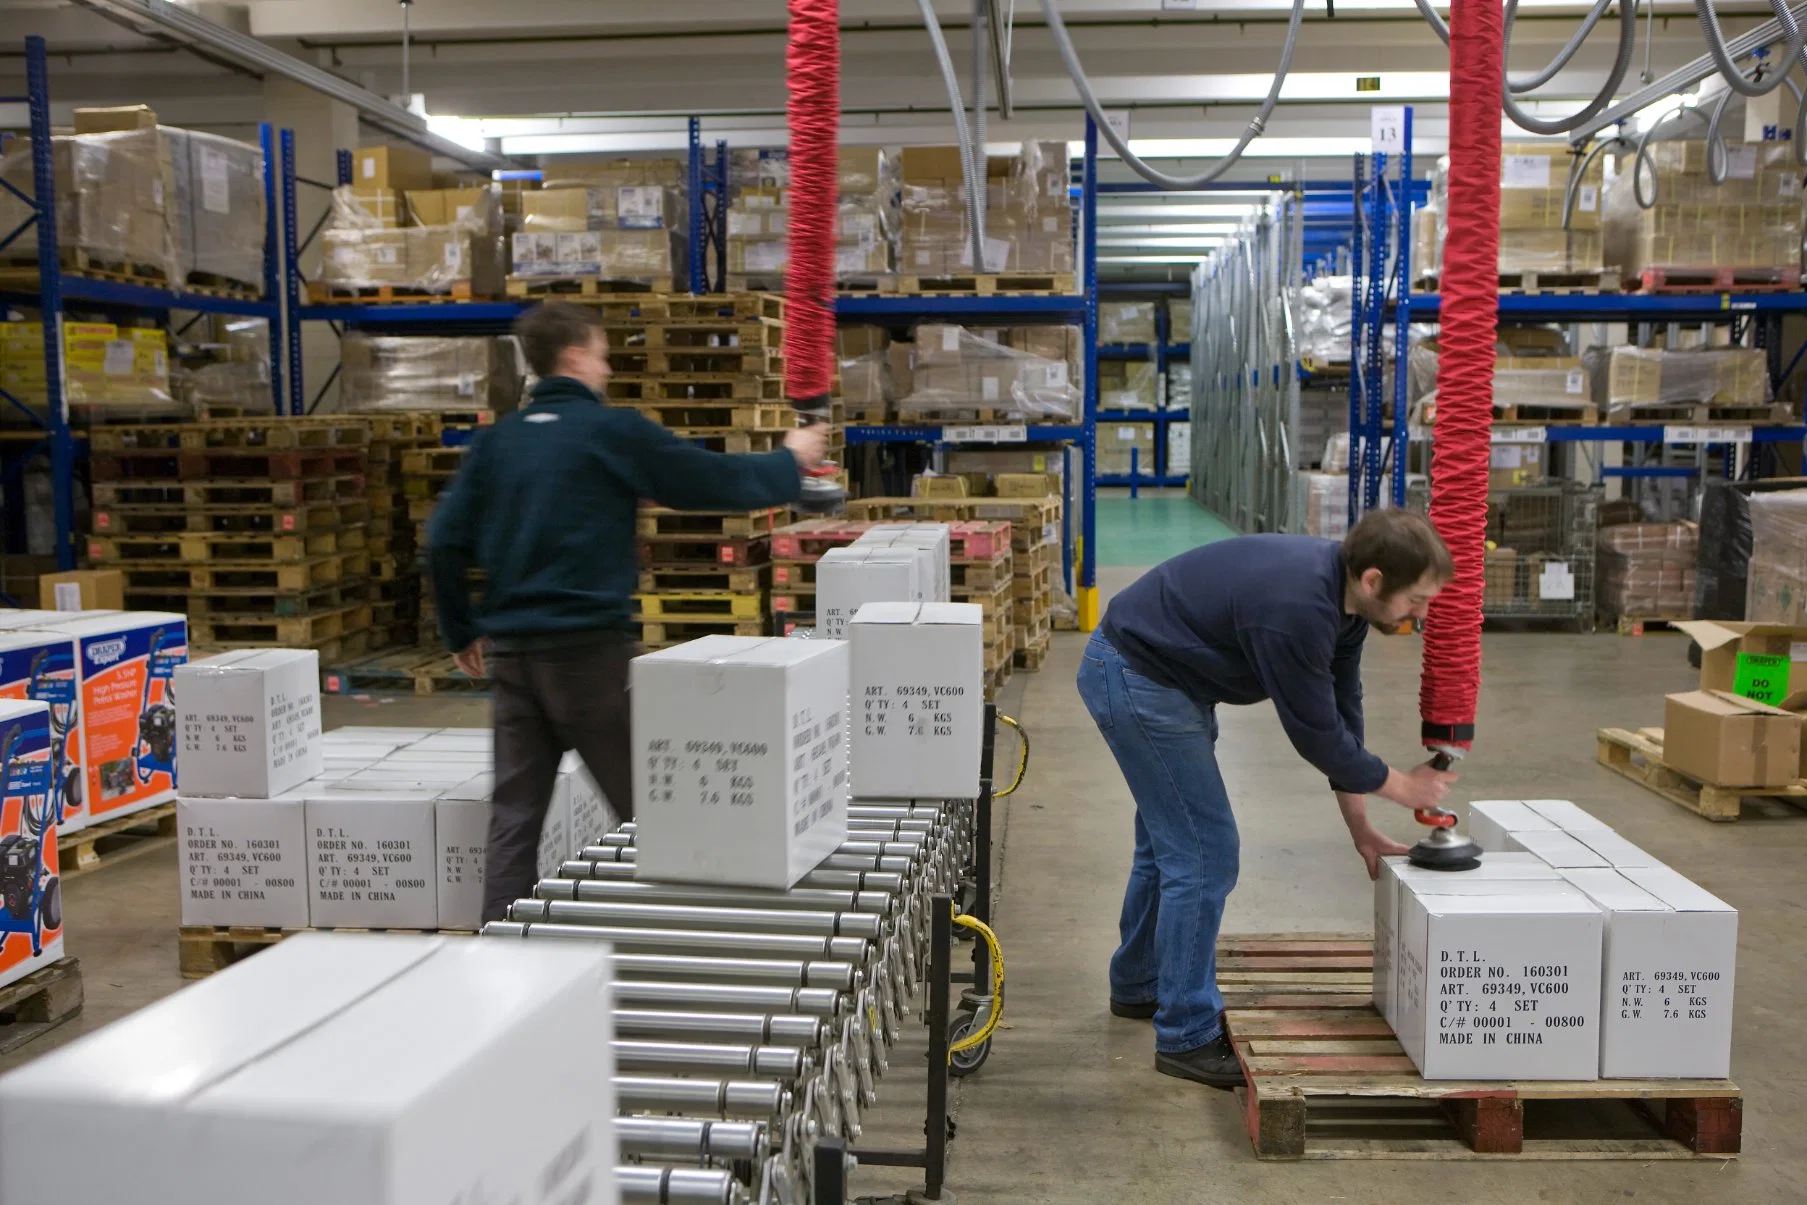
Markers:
(965, 1062)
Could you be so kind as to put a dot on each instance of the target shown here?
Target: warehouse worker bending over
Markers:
(1261, 617)
(545, 505)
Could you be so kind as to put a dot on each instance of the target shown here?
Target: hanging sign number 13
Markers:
(1388, 129)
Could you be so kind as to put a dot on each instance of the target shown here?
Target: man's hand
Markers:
(1419, 788)
(1371, 844)
(808, 444)
(471, 659)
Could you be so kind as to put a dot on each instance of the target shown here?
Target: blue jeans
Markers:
(1186, 846)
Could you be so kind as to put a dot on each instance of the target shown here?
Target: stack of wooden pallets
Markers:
(395, 577)
(254, 528)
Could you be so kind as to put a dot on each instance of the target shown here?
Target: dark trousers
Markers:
(545, 702)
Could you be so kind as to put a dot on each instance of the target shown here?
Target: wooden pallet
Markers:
(1712, 413)
(689, 552)
(212, 548)
(656, 521)
(266, 434)
(18, 268)
(407, 671)
(708, 363)
(852, 284)
(1639, 757)
(332, 649)
(290, 578)
(216, 464)
(1030, 656)
(1597, 280)
(695, 387)
(1033, 584)
(678, 607)
(223, 493)
(455, 290)
(1326, 1078)
(109, 841)
(997, 677)
(704, 577)
(699, 333)
(665, 633)
(440, 463)
(225, 520)
(1637, 625)
(36, 1004)
(1586, 414)
(737, 442)
(250, 605)
(988, 283)
(394, 426)
(980, 575)
(738, 415)
(290, 631)
(1758, 279)
(575, 288)
(202, 950)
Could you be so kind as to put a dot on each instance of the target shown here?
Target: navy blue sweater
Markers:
(1259, 617)
(545, 505)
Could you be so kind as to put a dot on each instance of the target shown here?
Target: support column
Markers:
(322, 127)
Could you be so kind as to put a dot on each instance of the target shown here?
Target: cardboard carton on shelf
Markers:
(82, 590)
(401, 168)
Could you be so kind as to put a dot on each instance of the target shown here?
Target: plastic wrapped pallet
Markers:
(1753, 220)
(235, 372)
(116, 199)
(1646, 570)
(363, 250)
(1028, 220)
(1127, 385)
(1534, 180)
(1522, 376)
(1116, 444)
(219, 209)
(619, 220)
(1127, 322)
(960, 376)
(1179, 320)
(1626, 378)
(1324, 319)
(429, 372)
(1179, 386)
(1325, 504)
(1777, 587)
(866, 219)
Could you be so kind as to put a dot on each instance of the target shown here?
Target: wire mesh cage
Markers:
(1541, 555)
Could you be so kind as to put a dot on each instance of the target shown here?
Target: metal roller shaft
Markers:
(691, 1138)
(711, 1058)
(867, 860)
(627, 891)
(908, 844)
(607, 906)
(706, 942)
(758, 1099)
(729, 997)
(828, 880)
(678, 1186)
(841, 976)
(771, 1029)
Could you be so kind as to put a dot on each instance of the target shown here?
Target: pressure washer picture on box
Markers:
(31, 898)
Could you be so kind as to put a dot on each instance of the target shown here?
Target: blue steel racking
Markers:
(1380, 271)
(56, 287)
(1163, 351)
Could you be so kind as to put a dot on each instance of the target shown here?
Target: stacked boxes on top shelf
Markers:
(1536, 242)
(866, 221)
(393, 235)
(1028, 222)
(110, 372)
(599, 228)
(255, 528)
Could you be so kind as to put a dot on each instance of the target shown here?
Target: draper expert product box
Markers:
(740, 766)
(249, 722)
(918, 700)
(244, 861)
(1500, 987)
(31, 922)
(372, 860)
(1666, 985)
(1394, 872)
(357, 1069)
(126, 662)
(41, 666)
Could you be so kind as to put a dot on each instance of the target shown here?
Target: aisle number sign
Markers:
(1761, 676)
(1387, 129)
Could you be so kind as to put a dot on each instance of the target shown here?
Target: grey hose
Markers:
(1539, 78)
(977, 168)
(1628, 41)
(1734, 78)
(1064, 44)
(961, 132)
(1643, 158)
(1578, 173)
(1716, 152)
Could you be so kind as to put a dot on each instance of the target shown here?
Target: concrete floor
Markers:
(1069, 1109)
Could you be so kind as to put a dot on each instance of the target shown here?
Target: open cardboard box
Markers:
(1722, 641)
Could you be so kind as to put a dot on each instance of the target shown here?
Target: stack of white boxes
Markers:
(933, 540)
(365, 828)
(1569, 954)
(918, 698)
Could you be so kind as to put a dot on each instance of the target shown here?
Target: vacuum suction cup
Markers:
(1444, 848)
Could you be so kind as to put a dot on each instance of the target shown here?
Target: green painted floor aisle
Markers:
(1149, 529)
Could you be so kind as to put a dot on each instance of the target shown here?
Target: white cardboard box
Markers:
(249, 722)
(414, 755)
(1560, 850)
(461, 830)
(392, 738)
(244, 861)
(1667, 978)
(371, 860)
(357, 1069)
(1617, 851)
(1395, 871)
(931, 538)
(1500, 987)
(849, 578)
(918, 693)
(1491, 822)
(1567, 817)
(591, 813)
(740, 773)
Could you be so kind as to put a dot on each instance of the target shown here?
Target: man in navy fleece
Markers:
(1261, 617)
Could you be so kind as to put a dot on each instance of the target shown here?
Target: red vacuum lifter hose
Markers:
(1451, 683)
(813, 59)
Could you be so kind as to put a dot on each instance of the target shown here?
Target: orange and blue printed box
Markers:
(31, 897)
(41, 666)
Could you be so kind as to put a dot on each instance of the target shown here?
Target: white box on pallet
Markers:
(740, 767)
(1395, 871)
(249, 722)
(414, 755)
(357, 1069)
(388, 738)
(849, 578)
(918, 698)
(932, 539)
(1500, 987)
(1566, 816)
(1617, 851)
(1560, 850)
(370, 860)
(1491, 822)
(592, 814)
(461, 833)
(244, 861)
(1666, 984)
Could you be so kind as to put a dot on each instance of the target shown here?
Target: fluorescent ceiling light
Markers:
(1149, 259)
(1261, 148)
(464, 131)
(1175, 243)
(1168, 213)
(1107, 232)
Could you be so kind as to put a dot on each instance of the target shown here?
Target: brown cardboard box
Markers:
(1501, 570)
(1796, 705)
(1512, 465)
(931, 485)
(903, 368)
(116, 117)
(82, 590)
(862, 170)
(1725, 740)
(931, 164)
(403, 168)
(382, 204)
(854, 341)
(1721, 642)
(440, 255)
(449, 206)
(364, 258)
(1026, 485)
(559, 210)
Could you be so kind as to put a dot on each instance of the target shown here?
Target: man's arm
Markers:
(1301, 683)
(1370, 843)
(677, 473)
(452, 553)
(1346, 677)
